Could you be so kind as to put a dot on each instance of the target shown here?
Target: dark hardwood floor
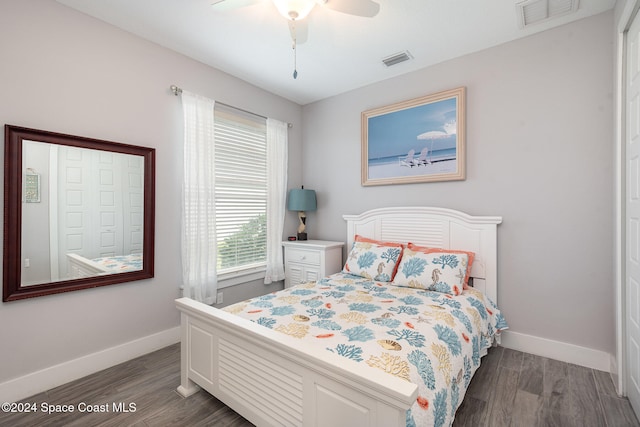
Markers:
(510, 388)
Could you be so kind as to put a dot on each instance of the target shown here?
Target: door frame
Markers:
(625, 16)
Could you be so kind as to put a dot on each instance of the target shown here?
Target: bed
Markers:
(80, 266)
(275, 378)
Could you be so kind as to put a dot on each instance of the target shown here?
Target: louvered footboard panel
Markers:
(272, 390)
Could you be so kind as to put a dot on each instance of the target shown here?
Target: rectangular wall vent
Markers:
(397, 58)
(536, 11)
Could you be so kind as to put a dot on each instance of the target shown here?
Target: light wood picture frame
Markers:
(419, 140)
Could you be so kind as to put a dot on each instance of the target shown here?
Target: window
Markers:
(240, 190)
(234, 193)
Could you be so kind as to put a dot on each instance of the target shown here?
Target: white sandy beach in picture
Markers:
(396, 170)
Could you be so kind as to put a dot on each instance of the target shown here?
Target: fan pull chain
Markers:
(295, 70)
(295, 59)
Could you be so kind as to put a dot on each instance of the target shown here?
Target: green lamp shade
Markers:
(302, 200)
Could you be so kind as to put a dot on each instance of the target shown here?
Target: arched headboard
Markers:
(437, 227)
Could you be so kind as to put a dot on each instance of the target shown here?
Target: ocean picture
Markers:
(415, 141)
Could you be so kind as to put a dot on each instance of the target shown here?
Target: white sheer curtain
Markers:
(199, 255)
(277, 155)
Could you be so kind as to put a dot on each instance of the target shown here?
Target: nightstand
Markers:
(310, 260)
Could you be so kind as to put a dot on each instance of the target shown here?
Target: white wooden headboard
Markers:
(436, 227)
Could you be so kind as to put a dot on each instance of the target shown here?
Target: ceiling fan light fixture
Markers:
(294, 9)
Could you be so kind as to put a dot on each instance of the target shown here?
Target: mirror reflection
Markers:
(78, 213)
(82, 212)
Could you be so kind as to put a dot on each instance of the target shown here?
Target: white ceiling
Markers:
(342, 52)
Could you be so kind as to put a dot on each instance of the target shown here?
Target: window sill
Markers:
(232, 279)
(237, 278)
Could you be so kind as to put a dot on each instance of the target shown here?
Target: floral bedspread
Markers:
(432, 339)
(121, 263)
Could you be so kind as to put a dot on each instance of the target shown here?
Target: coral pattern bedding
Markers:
(432, 339)
(120, 263)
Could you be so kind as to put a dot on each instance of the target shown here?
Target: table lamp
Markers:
(302, 201)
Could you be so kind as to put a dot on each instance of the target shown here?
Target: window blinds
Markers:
(240, 189)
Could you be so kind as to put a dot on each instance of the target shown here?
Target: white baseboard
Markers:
(557, 350)
(54, 376)
(617, 375)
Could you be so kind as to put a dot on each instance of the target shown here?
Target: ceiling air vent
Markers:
(397, 58)
(535, 11)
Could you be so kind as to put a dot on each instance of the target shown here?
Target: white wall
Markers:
(65, 72)
(35, 218)
(539, 153)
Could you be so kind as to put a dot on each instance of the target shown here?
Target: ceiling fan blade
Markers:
(299, 31)
(224, 5)
(365, 8)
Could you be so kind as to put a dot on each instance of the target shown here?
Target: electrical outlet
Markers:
(219, 298)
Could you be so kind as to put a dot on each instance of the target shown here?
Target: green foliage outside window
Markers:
(246, 246)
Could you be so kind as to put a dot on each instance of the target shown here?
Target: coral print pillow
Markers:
(373, 259)
(428, 250)
(437, 271)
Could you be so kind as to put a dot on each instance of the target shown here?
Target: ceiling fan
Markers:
(296, 10)
(299, 9)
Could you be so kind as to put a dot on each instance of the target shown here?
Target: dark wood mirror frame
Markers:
(12, 286)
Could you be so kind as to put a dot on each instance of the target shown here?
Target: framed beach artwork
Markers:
(420, 140)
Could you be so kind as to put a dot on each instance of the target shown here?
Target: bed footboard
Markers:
(80, 266)
(265, 377)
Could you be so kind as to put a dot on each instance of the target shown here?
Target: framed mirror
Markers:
(78, 213)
